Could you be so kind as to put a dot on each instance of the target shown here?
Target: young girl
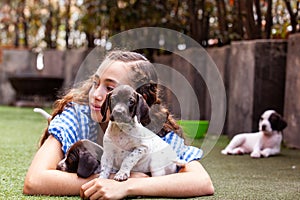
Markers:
(77, 115)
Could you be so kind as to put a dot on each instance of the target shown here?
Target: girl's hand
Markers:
(107, 188)
(103, 189)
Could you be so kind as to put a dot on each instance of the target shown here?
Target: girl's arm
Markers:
(42, 177)
(192, 181)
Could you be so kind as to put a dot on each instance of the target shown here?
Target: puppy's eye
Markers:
(261, 119)
(131, 102)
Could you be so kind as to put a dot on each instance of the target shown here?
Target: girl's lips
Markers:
(95, 107)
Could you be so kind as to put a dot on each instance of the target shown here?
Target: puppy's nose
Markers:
(117, 113)
(264, 127)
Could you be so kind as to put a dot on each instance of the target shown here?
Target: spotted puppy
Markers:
(128, 145)
(264, 143)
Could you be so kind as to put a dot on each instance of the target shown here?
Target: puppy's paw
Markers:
(238, 151)
(121, 176)
(255, 155)
(265, 153)
(224, 152)
(103, 174)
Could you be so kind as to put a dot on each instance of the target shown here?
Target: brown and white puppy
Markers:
(82, 158)
(264, 143)
(127, 144)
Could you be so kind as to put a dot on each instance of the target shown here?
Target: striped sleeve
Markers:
(73, 124)
(185, 153)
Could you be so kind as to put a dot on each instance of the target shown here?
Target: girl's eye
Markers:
(109, 88)
(95, 84)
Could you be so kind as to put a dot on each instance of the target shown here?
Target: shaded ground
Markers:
(241, 177)
(234, 177)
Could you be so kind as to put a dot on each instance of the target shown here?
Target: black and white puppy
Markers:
(128, 145)
(83, 158)
(264, 143)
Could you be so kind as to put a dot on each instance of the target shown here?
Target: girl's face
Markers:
(105, 81)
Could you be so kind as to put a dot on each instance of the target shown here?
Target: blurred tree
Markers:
(90, 23)
(21, 24)
(252, 26)
(257, 19)
(52, 23)
(67, 16)
(200, 12)
(75, 23)
(223, 26)
(108, 17)
(293, 15)
(269, 20)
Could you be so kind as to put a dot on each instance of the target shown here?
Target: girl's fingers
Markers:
(88, 189)
(88, 184)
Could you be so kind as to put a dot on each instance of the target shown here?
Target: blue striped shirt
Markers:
(75, 123)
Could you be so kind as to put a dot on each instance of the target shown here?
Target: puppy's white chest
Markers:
(121, 136)
(271, 141)
(121, 143)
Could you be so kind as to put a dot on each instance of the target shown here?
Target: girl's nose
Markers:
(100, 93)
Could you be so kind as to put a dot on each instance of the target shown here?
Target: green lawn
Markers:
(234, 177)
(20, 130)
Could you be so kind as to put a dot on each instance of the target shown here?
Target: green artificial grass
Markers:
(242, 177)
(234, 177)
(20, 131)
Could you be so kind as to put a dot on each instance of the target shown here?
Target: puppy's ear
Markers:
(105, 107)
(281, 124)
(87, 165)
(277, 122)
(142, 110)
(71, 159)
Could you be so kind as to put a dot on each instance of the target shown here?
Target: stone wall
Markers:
(191, 86)
(291, 134)
(258, 75)
(58, 64)
(253, 73)
(256, 82)
(12, 62)
(220, 57)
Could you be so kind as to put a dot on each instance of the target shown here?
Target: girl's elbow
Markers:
(30, 186)
(210, 189)
(27, 189)
(204, 188)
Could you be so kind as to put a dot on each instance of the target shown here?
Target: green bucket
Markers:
(194, 128)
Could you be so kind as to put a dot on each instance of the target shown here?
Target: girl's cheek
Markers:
(96, 116)
(90, 93)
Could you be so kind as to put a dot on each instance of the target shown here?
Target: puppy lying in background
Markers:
(264, 143)
(127, 144)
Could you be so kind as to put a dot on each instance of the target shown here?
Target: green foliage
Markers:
(77, 23)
